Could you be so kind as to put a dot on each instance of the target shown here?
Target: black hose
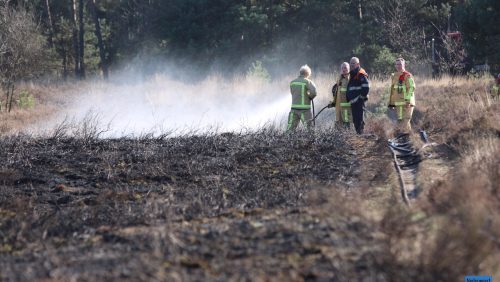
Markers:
(314, 118)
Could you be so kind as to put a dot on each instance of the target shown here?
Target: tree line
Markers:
(93, 37)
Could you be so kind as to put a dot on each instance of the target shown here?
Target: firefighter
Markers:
(303, 92)
(343, 115)
(357, 93)
(402, 96)
(495, 89)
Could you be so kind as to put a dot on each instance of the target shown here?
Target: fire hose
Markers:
(315, 116)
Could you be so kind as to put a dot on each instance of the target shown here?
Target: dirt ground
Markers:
(259, 207)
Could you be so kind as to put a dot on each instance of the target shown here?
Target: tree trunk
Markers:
(270, 18)
(59, 45)
(6, 88)
(10, 92)
(98, 34)
(65, 64)
(360, 11)
(81, 43)
(51, 24)
(75, 38)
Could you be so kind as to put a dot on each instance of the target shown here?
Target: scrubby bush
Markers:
(259, 72)
(25, 100)
(384, 61)
(21, 48)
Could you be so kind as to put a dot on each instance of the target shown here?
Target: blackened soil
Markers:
(214, 207)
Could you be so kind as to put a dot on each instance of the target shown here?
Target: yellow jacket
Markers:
(402, 89)
(339, 96)
(303, 91)
(342, 107)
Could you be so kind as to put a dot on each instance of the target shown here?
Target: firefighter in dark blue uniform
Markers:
(357, 93)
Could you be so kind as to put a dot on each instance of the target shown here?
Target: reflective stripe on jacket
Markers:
(342, 107)
(358, 85)
(340, 95)
(402, 89)
(303, 91)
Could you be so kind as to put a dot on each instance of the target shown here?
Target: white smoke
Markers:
(163, 104)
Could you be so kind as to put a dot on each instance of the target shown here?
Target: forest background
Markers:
(88, 38)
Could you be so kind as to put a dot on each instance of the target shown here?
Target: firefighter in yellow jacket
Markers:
(402, 96)
(303, 91)
(343, 116)
(495, 88)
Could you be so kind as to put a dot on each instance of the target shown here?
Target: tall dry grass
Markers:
(453, 229)
(49, 100)
(162, 100)
(158, 101)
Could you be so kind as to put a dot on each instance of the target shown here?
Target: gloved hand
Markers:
(364, 98)
(331, 105)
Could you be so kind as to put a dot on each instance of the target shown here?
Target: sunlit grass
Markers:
(451, 230)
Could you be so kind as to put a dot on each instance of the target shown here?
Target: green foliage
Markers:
(258, 71)
(225, 34)
(92, 59)
(480, 23)
(437, 14)
(384, 61)
(22, 54)
(377, 60)
(6, 248)
(25, 100)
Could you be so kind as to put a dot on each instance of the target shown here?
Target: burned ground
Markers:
(208, 207)
(263, 206)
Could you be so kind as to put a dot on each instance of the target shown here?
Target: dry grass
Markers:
(454, 227)
(50, 99)
(359, 230)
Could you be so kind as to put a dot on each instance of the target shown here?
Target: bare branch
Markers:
(21, 47)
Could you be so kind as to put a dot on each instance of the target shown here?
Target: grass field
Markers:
(254, 204)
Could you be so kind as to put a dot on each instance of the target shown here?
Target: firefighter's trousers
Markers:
(295, 116)
(343, 115)
(402, 115)
(357, 116)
